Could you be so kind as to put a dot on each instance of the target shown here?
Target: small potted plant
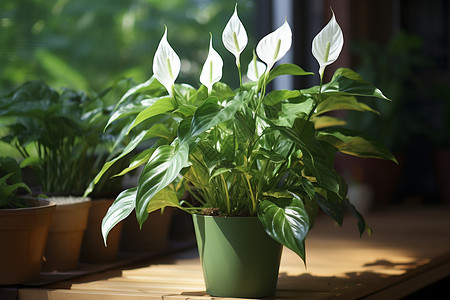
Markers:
(256, 163)
(60, 137)
(24, 225)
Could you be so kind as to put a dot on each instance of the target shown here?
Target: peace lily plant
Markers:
(246, 151)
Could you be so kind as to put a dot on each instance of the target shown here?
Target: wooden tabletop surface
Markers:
(409, 249)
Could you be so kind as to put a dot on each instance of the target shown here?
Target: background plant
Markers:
(11, 183)
(58, 134)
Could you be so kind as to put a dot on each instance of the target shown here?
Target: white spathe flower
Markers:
(234, 36)
(166, 64)
(327, 44)
(212, 69)
(275, 45)
(255, 69)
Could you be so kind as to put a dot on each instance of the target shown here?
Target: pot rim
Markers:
(42, 204)
(225, 217)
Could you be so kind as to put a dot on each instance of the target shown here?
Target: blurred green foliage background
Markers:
(85, 44)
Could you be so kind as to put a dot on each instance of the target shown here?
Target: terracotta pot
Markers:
(23, 235)
(93, 249)
(66, 235)
(154, 235)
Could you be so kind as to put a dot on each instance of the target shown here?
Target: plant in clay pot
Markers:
(24, 225)
(60, 138)
(260, 158)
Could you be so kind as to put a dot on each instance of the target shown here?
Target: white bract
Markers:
(166, 64)
(275, 45)
(327, 44)
(234, 36)
(212, 69)
(255, 69)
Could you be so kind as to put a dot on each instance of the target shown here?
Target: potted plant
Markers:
(24, 225)
(60, 137)
(251, 157)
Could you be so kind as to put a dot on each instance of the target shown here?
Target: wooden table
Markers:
(409, 250)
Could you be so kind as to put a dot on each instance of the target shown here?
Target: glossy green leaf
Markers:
(272, 156)
(331, 204)
(118, 211)
(342, 102)
(327, 121)
(355, 143)
(130, 147)
(277, 96)
(286, 221)
(287, 69)
(298, 108)
(222, 91)
(349, 82)
(152, 86)
(137, 161)
(159, 106)
(362, 226)
(164, 198)
(210, 113)
(162, 168)
(314, 157)
(219, 172)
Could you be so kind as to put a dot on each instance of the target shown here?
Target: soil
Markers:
(211, 211)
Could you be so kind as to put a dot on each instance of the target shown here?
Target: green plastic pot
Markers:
(238, 258)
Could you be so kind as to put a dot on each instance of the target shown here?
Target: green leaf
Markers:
(221, 91)
(276, 96)
(130, 147)
(152, 86)
(298, 108)
(273, 156)
(362, 227)
(317, 160)
(219, 172)
(327, 121)
(287, 69)
(160, 106)
(331, 205)
(165, 197)
(341, 101)
(355, 143)
(136, 161)
(286, 221)
(159, 130)
(128, 109)
(9, 165)
(163, 167)
(210, 113)
(119, 210)
(347, 81)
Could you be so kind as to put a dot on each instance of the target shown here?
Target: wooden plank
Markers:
(409, 250)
